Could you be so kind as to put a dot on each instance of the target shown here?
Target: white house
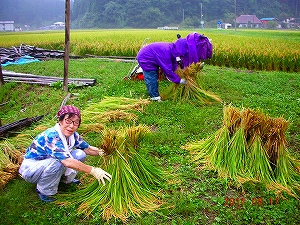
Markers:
(226, 25)
(7, 26)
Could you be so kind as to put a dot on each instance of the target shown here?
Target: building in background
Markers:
(7, 26)
(248, 21)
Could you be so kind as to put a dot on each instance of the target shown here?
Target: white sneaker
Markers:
(158, 98)
(201, 65)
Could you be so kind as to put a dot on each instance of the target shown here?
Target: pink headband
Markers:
(68, 109)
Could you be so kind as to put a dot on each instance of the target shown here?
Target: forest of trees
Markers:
(142, 13)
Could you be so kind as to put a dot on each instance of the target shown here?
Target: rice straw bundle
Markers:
(259, 165)
(4, 160)
(109, 110)
(11, 151)
(133, 188)
(191, 91)
(115, 115)
(91, 127)
(250, 146)
(9, 160)
(112, 103)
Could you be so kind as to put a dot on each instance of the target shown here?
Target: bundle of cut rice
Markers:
(133, 187)
(10, 159)
(191, 91)
(110, 109)
(251, 146)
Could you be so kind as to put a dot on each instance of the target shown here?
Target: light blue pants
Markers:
(151, 80)
(47, 173)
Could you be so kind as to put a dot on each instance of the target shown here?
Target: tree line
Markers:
(87, 14)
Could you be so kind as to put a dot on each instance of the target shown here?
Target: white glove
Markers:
(100, 174)
(100, 152)
(182, 81)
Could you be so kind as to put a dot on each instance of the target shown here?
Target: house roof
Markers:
(248, 18)
(7, 22)
(268, 19)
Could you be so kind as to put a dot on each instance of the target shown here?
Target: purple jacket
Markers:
(163, 55)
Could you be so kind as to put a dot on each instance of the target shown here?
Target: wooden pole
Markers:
(1, 75)
(234, 15)
(67, 45)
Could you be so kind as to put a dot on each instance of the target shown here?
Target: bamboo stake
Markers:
(65, 100)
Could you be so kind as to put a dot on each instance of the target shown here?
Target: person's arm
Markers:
(88, 149)
(167, 67)
(91, 150)
(76, 165)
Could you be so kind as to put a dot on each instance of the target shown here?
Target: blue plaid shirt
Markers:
(49, 144)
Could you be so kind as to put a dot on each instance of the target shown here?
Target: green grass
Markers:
(194, 196)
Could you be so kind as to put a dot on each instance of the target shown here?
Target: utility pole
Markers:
(234, 15)
(1, 76)
(67, 45)
(201, 16)
(182, 15)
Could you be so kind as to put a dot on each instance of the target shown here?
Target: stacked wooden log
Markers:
(10, 76)
(5, 130)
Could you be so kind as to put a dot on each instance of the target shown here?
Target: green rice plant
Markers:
(220, 151)
(259, 164)
(250, 146)
(134, 185)
(266, 51)
(91, 113)
(191, 91)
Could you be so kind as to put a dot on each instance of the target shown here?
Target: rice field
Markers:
(251, 49)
